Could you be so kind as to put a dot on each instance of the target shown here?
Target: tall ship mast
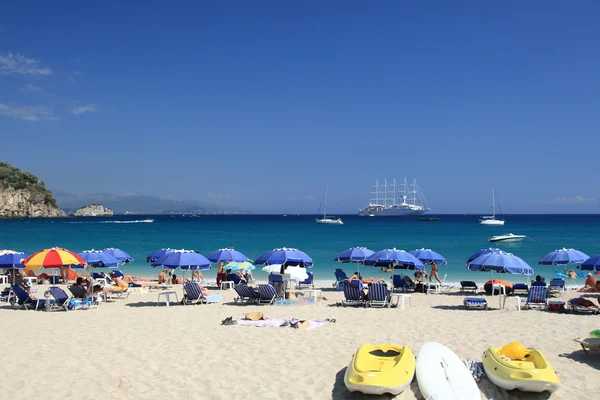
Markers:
(395, 200)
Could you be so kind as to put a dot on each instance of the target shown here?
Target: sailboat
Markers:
(491, 219)
(325, 219)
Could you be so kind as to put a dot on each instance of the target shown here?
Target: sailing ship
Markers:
(395, 200)
(327, 220)
(491, 220)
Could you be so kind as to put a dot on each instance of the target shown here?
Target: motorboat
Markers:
(491, 220)
(380, 368)
(509, 237)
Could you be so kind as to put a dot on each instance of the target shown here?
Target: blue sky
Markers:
(260, 104)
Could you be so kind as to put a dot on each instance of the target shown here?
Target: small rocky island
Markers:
(23, 195)
(94, 210)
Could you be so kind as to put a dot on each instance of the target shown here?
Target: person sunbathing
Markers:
(137, 282)
(364, 280)
(583, 302)
(591, 289)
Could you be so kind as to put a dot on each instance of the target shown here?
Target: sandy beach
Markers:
(132, 348)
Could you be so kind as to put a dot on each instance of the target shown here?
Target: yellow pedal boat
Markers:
(532, 373)
(380, 368)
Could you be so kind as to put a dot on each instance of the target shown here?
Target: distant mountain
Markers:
(121, 203)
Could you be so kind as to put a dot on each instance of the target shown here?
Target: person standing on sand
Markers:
(434, 273)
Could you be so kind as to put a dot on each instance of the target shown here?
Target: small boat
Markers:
(442, 375)
(380, 368)
(327, 220)
(509, 237)
(428, 219)
(528, 372)
(491, 220)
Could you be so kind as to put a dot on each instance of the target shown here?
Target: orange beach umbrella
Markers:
(55, 257)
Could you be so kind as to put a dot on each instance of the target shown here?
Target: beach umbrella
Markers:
(99, 259)
(12, 259)
(119, 255)
(183, 259)
(239, 266)
(224, 255)
(563, 257)
(157, 254)
(272, 269)
(354, 255)
(482, 252)
(285, 255)
(591, 263)
(295, 273)
(55, 257)
(428, 256)
(394, 257)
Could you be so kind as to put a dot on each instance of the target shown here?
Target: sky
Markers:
(261, 104)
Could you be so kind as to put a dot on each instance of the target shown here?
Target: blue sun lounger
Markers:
(475, 303)
(193, 295)
(378, 295)
(24, 300)
(340, 277)
(354, 294)
(60, 299)
(268, 294)
(246, 293)
(537, 297)
(308, 282)
(398, 282)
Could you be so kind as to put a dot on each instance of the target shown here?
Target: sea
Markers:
(456, 237)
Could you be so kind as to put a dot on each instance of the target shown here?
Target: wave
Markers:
(138, 221)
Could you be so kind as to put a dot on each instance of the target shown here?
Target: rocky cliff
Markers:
(23, 195)
(94, 210)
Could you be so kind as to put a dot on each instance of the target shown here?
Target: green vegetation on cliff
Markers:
(11, 177)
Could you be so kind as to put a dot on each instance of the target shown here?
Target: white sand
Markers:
(133, 349)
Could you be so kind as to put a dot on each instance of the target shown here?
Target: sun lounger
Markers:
(24, 300)
(468, 285)
(59, 300)
(308, 282)
(520, 289)
(340, 277)
(580, 309)
(557, 287)
(246, 293)
(589, 343)
(475, 303)
(193, 295)
(399, 283)
(537, 297)
(353, 293)
(268, 294)
(378, 295)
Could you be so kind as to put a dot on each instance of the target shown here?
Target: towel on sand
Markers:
(276, 322)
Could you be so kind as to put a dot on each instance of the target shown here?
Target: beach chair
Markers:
(588, 343)
(24, 300)
(353, 293)
(340, 277)
(246, 293)
(236, 279)
(193, 295)
(277, 281)
(268, 294)
(5, 294)
(309, 282)
(520, 289)
(468, 285)
(475, 303)
(580, 309)
(557, 287)
(537, 297)
(398, 282)
(59, 300)
(118, 273)
(377, 295)
(79, 294)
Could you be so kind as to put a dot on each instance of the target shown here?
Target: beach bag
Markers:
(254, 316)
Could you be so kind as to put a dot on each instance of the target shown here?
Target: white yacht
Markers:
(509, 237)
(491, 219)
(392, 201)
(327, 220)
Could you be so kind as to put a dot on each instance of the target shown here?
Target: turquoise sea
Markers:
(454, 236)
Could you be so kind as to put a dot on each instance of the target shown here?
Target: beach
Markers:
(132, 348)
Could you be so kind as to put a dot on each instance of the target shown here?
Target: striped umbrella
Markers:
(237, 266)
(55, 257)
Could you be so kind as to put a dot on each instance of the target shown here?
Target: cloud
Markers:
(31, 88)
(18, 64)
(220, 196)
(83, 109)
(573, 200)
(28, 113)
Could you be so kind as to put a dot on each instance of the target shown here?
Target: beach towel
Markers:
(276, 322)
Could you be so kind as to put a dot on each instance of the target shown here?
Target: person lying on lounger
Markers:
(364, 280)
(137, 282)
(591, 289)
(582, 302)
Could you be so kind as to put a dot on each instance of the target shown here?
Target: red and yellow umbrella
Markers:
(55, 257)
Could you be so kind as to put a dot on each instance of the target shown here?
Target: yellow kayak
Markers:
(380, 368)
(529, 372)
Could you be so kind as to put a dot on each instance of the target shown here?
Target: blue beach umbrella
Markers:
(429, 256)
(12, 259)
(184, 259)
(97, 258)
(591, 263)
(354, 254)
(119, 255)
(284, 255)
(503, 263)
(563, 257)
(157, 254)
(482, 252)
(394, 257)
(227, 255)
